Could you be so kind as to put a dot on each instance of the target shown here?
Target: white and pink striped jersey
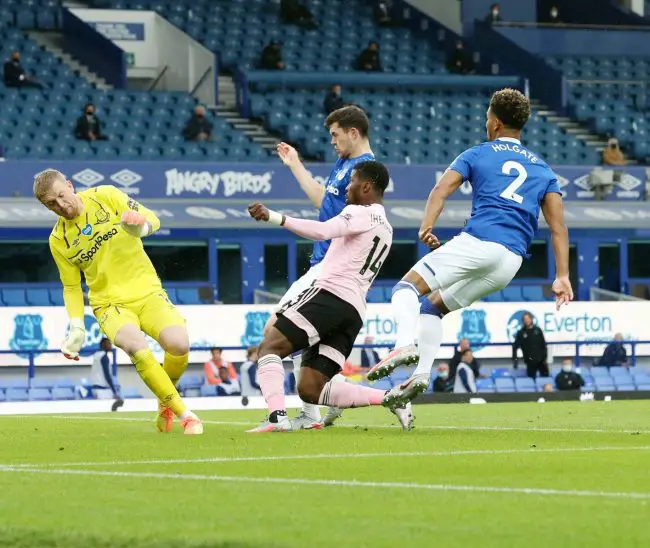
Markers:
(361, 239)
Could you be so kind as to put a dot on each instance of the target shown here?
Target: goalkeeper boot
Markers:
(164, 419)
(192, 425)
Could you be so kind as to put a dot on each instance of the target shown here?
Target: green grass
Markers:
(587, 466)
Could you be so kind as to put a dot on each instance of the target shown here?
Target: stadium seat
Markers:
(131, 393)
(38, 297)
(208, 390)
(604, 384)
(383, 384)
(3, 397)
(501, 372)
(512, 293)
(16, 383)
(14, 297)
(504, 384)
(600, 373)
(188, 295)
(43, 383)
(400, 374)
(193, 381)
(541, 381)
(64, 383)
(532, 293)
(63, 394)
(39, 394)
(56, 297)
(525, 385)
(485, 385)
(16, 394)
(624, 383)
(619, 373)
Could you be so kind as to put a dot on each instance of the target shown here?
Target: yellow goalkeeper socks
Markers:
(175, 366)
(158, 381)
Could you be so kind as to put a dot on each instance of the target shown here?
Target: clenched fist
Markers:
(258, 211)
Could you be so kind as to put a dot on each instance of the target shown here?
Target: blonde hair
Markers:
(44, 180)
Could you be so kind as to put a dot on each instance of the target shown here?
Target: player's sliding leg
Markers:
(429, 332)
(318, 386)
(270, 376)
(175, 342)
(405, 303)
(130, 339)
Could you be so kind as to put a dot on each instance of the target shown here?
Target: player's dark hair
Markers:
(349, 117)
(216, 348)
(511, 107)
(373, 172)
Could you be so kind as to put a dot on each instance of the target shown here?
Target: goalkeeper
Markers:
(99, 233)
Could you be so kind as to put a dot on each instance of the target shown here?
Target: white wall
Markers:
(138, 26)
(446, 12)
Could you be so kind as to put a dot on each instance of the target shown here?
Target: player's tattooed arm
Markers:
(445, 187)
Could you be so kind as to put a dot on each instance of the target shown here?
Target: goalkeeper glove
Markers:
(75, 339)
(135, 224)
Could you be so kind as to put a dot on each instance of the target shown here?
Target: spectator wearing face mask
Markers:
(88, 127)
(495, 14)
(443, 383)
(530, 339)
(198, 127)
(568, 379)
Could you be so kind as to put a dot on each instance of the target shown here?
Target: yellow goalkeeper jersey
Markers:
(114, 263)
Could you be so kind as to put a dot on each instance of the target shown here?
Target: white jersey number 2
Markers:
(510, 193)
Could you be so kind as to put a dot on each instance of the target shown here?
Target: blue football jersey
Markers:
(333, 203)
(509, 183)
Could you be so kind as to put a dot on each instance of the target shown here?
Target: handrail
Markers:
(201, 80)
(575, 26)
(158, 78)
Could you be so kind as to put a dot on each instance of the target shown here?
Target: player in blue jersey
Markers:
(509, 186)
(348, 128)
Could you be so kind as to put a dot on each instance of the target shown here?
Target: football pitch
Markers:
(502, 475)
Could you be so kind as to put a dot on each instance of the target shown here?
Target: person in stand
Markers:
(530, 339)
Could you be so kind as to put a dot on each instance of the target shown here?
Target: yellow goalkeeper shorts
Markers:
(151, 314)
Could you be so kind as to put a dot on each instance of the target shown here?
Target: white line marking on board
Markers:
(262, 458)
(340, 483)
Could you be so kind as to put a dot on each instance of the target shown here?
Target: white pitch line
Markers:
(346, 456)
(342, 483)
(423, 427)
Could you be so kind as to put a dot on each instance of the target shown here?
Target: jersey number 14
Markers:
(373, 265)
(510, 193)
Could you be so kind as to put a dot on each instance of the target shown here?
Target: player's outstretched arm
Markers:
(289, 156)
(553, 211)
(445, 187)
(342, 225)
(74, 302)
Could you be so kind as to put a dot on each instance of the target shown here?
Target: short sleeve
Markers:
(356, 218)
(553, 186)
(464, 163)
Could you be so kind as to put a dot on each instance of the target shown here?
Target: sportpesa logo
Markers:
(99, 242)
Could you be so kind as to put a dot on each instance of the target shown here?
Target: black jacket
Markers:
(460, 62)
(12, 73)
(615, 354)
(532, 343)
(569, 381)
(365, 362)
(86, 125)
(195, 125)
(270, 58)
(332, 102)
(369, 57)
(443, 385)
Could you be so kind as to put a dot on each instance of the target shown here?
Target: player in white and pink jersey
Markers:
(326, 318)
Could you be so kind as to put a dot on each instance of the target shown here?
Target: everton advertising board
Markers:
(273, 181)
(34, 329)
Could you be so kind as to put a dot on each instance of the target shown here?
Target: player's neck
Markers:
(362, 148)
(510, 135)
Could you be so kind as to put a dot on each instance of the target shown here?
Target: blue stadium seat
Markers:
(625, 383)
(14, 297)
(501, 372)
(43, 383)
(16, 383)
(16, 394)
(604, 384)
(600, 373)
(541, 381)
(376, 295)
(525, 385)
(38, 297)
(64, 383)
(620, 373)
(483, 385)
(208, 390)
(512, 293)
(3, 397)
(39, 394)
(383, 384)
(193, 381)
(188, 295)
(63, 394)
(532, 293)
(504, 384)
(131, 393)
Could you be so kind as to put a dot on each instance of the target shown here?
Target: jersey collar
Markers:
(509, 140)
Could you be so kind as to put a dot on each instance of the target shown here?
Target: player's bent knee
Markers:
(130, 339)
(311, 385)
